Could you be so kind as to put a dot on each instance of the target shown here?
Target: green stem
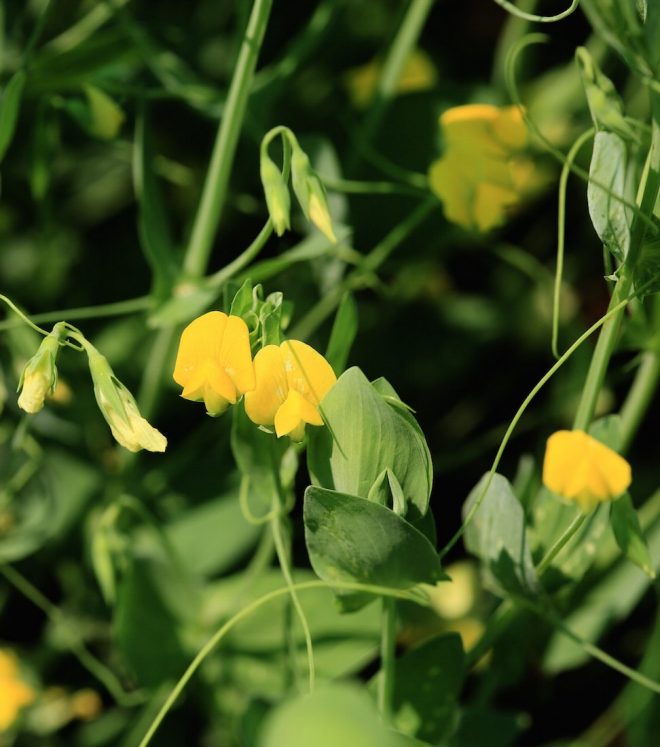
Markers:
(387, 659)
(246, 612)
(227, 272)
(96, 668)
(639, 397)
(215, 187)
(511, 8)
(561, 542)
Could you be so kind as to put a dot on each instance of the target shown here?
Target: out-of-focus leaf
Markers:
(353, 539)
(481, 726)
(337, 714)
(609, 601)
(607, 430)
(9, 107)
(155, 237)
(106, 116)
(427, 683)
(647, 268)
(343, 334)
(629, 535)
(611, 219)
(368, 433)
(497, 535)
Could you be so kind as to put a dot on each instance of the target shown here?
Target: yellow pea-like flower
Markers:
(481, 175)
(582, 469)
(214, 362)
(14, 693)
(292, 379)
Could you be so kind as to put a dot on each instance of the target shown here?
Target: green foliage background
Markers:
(145, 556)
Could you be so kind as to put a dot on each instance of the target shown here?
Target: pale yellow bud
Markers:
(39, 376)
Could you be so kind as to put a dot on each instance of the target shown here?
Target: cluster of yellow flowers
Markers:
(283, 385)
(14, 693)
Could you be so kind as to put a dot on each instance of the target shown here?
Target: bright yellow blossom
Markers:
(582, 469)
(214, 363)
(14, 694)
(292, 379)
(481, 175)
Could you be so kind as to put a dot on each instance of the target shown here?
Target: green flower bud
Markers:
(310, 192)
(39, 376)
(277, 195)
(120, 409)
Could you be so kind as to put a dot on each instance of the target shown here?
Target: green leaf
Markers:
(9, 108)
(343, 334)
(337, 714)
(242, 300)
(369, 433)
(480, 726)
(497, 535)
(105, 115)
(629, 535)
(611, 219)
(647, 268)
(427, 684)
(352, 539)
(607, 430)
(155, 237)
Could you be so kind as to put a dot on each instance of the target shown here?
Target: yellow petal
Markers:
(271, 388)
(509, 127)
(200, 341)
(235, 356)
(291, 417)
(581, 468)
(307, 371)
(448, 182)
(490, 205)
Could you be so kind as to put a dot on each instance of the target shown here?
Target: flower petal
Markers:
(291, 417)
(235, 356)
(272, 388)
(307, 371)
(200, 341)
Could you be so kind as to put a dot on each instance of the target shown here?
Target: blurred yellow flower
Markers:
(582, 469)
(481, 175)
(418, 74)
(292, 379)
(14, 694)
(214, 362)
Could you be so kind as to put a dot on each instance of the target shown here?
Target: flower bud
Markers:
(119, 408)
(277, 195)
(39, 376)
(310, 192)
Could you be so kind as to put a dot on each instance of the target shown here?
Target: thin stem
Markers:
(26, 319)
(215, 187)
(511, 8)
(639, 397)
(561, 542)
(246, 612)
(95, 667)
(387, 659)
(236, 265)
(561, 232)
(351, 186)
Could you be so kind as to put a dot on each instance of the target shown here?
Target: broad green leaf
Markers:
(610, 218)
(607, 430)
(368, 433)
(352, 539)
(343, 334)
(155, 237)
(9, 107)
(498, 536)
(480, 726)
(427, 683)
(647, 268)
(333, 715)
(629, 535)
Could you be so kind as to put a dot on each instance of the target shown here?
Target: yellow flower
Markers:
(418, 74)
(481, 175)
(582, 469)
(292, 379)
(214, 363)
(14, 694)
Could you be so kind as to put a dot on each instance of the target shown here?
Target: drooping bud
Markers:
(310, 192)
(39, 376)
(277, 194)
(120, 409)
